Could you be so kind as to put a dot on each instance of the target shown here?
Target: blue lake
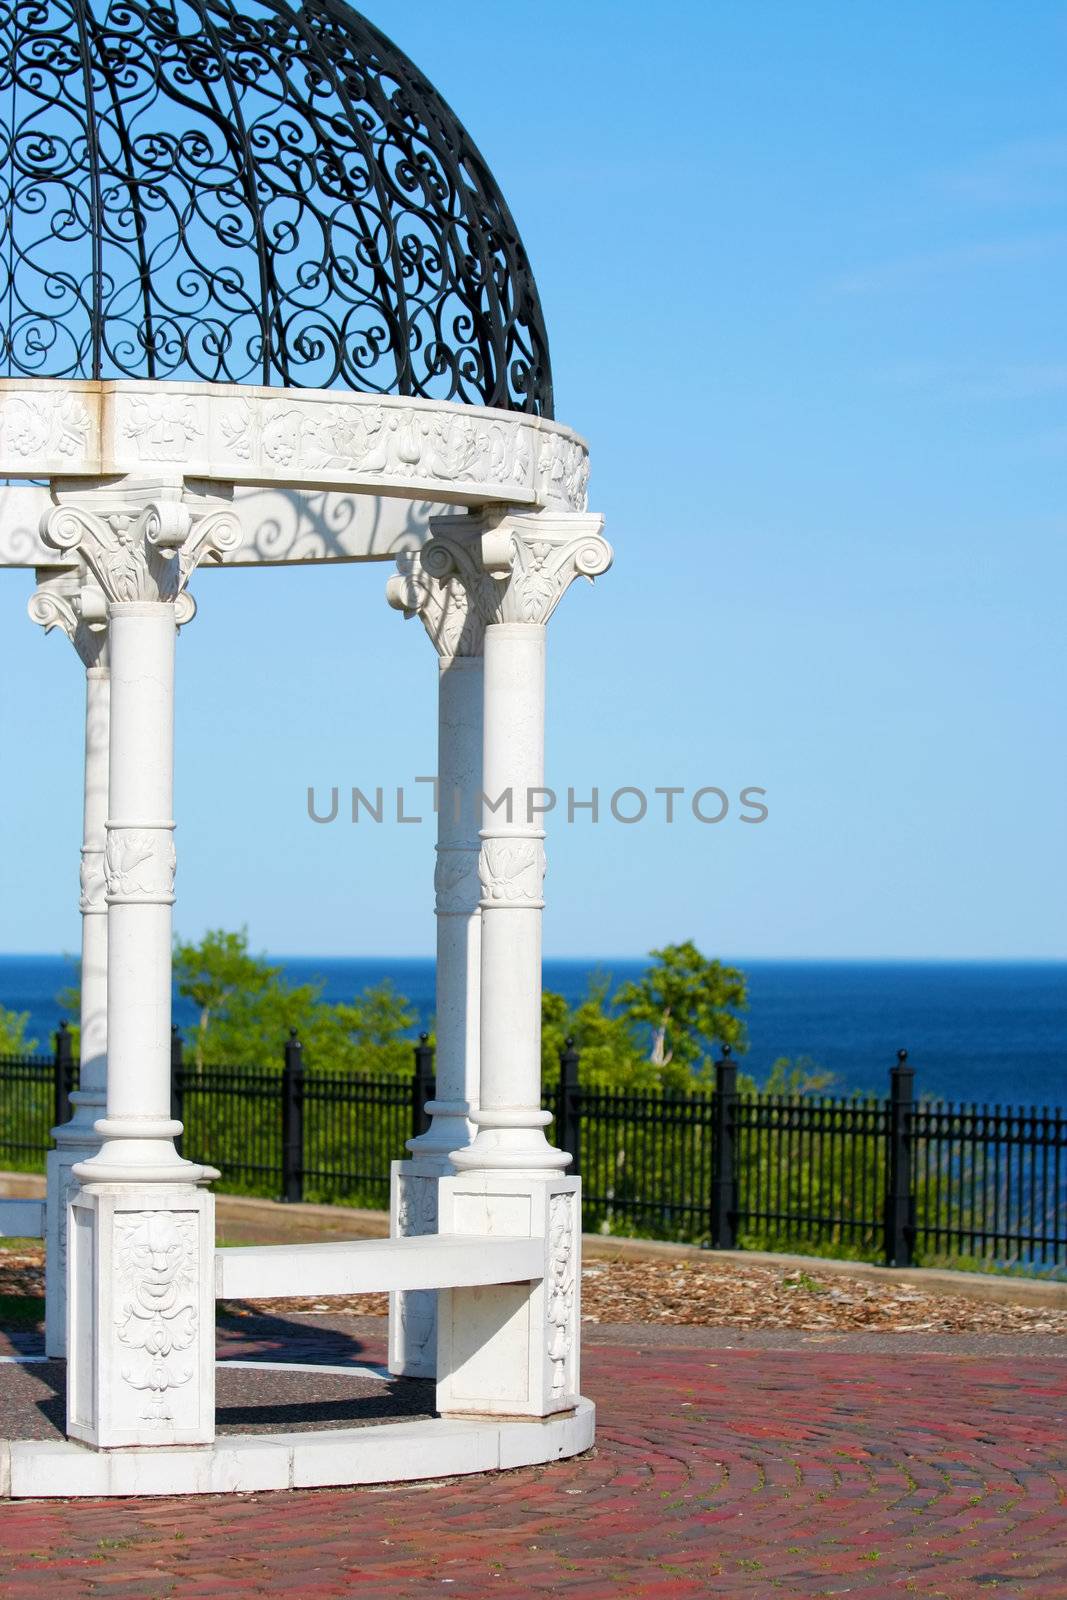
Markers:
(975, 1030)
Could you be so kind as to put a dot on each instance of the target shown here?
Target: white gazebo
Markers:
(264, 303)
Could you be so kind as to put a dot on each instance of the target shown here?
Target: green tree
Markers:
(376, 1030)
(612, 1057)
(217, 971)
(13, 1040)
(689, 1003)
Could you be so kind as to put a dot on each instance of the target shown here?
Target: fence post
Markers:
(423, 1085)
(900, 1203)
(177, 1081)
(64, 1074)
(723, 1165)
(293, 1119)
(569, 1127)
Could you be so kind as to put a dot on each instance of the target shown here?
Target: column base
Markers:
(413, 1312)
(141, 1315)
(513, 1349)
(135, 1151)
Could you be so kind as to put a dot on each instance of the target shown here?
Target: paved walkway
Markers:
(751, 1471)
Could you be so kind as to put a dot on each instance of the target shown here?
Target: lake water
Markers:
(975, 1030)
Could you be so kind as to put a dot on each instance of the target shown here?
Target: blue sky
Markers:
(803, 273)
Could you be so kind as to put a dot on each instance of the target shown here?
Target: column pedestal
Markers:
(141, 1369)
(513, 1350)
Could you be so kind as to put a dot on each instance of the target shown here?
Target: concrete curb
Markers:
(260, 1221)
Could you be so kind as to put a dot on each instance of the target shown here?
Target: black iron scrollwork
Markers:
(242, 191)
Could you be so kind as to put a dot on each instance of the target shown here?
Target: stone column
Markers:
(513, 1350)
(68, 599)
(448, 610)
(140, 1314)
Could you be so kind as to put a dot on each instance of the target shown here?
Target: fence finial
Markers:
(726, 1051)
(902, 1056)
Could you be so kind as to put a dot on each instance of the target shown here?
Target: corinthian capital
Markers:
(535, 558)
(66, 598)
(142, 542)
(445, 585)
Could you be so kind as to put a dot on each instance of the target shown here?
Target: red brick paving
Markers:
(757, 1473)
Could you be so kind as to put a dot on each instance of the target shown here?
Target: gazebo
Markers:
(263, 302)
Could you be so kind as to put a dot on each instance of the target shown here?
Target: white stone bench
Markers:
(369, 1266)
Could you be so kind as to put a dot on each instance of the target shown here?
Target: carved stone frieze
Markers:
(512, 871)
(139, 865)
(456, 880)
(468, 453)
(93, 882)
(46, 426)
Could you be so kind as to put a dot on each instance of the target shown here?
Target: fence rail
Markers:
(905, 1180)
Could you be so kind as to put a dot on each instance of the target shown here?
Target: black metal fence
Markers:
(903, 1180)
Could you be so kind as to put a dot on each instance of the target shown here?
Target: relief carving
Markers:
(560, 1287)
(139, 864)
(511, 870)
(156, 1316)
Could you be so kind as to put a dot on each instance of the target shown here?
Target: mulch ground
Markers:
(709, 1294)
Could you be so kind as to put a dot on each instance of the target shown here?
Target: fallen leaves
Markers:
(712, 1294)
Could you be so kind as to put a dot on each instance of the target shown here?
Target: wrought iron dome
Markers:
(258, 193)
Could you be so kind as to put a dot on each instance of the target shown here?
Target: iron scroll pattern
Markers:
(246, 191)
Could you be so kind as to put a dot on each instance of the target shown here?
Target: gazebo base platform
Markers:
(336, 1425)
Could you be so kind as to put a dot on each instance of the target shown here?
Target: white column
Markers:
(65, 599)
(514, 1350)
(140, 1316)
(456, 633)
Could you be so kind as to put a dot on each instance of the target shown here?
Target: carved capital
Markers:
(139, 863)
(535, 559)
(143, 546)
(444, 585)
(512, 871)
(68, 600)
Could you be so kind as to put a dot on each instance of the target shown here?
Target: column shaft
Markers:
(77, 1140)
(509, 1116)
(140, 866)
(458, 893)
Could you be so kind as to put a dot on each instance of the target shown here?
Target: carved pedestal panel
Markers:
(512, 1350)
(140, 1285)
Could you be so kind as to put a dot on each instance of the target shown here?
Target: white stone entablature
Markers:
(303, 439)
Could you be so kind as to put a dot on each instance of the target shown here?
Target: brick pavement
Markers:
(756, 1472)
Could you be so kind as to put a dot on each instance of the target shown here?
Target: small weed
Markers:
(804, 1280)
